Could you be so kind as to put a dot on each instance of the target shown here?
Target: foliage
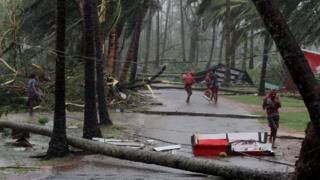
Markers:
(295, 120)
(257, 100)
(43, 120)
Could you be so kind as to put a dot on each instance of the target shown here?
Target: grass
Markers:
(292, 120)
(295, 120)
(114, 131)
(257, 100)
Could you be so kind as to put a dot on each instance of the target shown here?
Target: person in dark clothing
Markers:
(33, 95)
(188, 79)
(211, 81)
(271, 103)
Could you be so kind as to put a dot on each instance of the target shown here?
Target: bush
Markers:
(43, 120)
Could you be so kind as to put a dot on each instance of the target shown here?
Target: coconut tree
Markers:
(58, 145)
(90, 127)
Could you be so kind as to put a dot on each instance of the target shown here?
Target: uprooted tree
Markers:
(308, 165)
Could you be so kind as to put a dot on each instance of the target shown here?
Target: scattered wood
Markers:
(134, 85)
(167, 148)
(212, 167)
(176, 113)
(202, 89)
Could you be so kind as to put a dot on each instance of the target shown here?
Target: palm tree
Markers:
(266, 48)
(307, 167)
(227, 39)
(90, 127)
(182, 32)
(58, 145)
(104, 117)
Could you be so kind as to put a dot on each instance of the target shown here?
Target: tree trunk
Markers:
(148, 42)
(157, 63)
(58, 145)
(233, 49)
(227, 45)
(132, 53)
(117, 59)
(198, 165)
(104, 117)
(138, 28)
(266, 47)
(213, 40)
(182, 33)
(221, 45)
(251, 63)
(307, 167)
(112, 51)
(90, 127)
(245, 53)
(166, 30)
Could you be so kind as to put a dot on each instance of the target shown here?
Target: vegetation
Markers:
(257, 100)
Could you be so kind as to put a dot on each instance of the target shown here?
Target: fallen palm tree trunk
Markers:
(211, 167)
(176, 113)
(202, 89)
(133, 85)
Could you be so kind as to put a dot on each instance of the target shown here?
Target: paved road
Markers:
(175, 129)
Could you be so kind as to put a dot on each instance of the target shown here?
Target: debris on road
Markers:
(231, 143)
(167, 148)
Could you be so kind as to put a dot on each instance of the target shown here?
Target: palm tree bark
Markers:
(221, 45)
(112, 51)
(133, 73)
(251, 62)
(182, 33)
(227, 44)
(104, 117)
(266, 47)
(166, 30)
(198, 165)
(307, 166)
(58, 145)
(148, 39)
(157, 62)
(90, 127)
(213, 40)
(245, 53)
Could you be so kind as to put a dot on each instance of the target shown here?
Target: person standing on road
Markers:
(271, 103)
(189, 80)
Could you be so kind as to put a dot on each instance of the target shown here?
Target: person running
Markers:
(214, 87)
(271, 103)
(208, 80)
(189, 80)
(33, 95)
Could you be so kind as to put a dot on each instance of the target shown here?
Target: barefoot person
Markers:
(208, 80)
(189, 80)
(33, 95)
(271, 103)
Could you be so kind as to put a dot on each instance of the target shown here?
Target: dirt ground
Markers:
(164, 130)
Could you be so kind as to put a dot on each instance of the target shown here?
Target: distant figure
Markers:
(271, 103)
(33, 95)
(189, 80)
(211, 80)
(215, 87)
(208, 80)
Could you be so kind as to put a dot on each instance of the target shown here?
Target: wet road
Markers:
(172, 129)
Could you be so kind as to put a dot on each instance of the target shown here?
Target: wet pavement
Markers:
(167, 130)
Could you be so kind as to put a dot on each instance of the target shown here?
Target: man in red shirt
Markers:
(271, 103)
(189, 80)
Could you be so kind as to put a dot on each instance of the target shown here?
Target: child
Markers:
(189, 80)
